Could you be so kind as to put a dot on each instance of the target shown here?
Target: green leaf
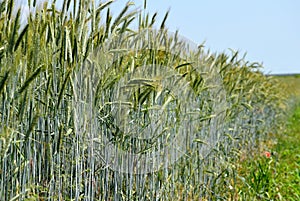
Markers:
(30, 79)
(246, 105)
(20, 37)
(200, 141)
(182, 65)
(4, 79)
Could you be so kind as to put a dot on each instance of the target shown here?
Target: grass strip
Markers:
(274, 174)
(288, 149)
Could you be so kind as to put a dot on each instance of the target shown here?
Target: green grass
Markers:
(288, 150)
(277, 177)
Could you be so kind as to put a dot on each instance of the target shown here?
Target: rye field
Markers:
(94, 109)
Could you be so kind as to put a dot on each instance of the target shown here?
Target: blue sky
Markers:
(268, 30)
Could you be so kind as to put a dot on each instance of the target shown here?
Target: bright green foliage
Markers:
(277, 177)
